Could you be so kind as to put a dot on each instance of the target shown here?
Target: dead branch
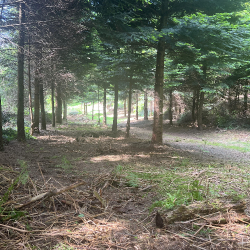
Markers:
(50, 194)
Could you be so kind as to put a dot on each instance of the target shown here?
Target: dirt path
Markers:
(225, 146)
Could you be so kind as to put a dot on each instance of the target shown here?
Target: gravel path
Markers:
(225, 146)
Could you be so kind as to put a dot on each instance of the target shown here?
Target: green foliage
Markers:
(10, 134)
(66, 165)
(132, 180)
(23, 179)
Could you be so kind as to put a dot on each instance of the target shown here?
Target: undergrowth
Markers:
(183, 184)
(22, 178)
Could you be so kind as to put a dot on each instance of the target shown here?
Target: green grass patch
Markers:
(186, 182)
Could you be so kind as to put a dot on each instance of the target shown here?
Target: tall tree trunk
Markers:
(1, 129)
(158, 94)
(98, 97)
(86, 108)
(43, 115)
(65, 109)
(53, 102)
(245, 102)
(58, 103)
(170, 107)
(197, 103)
(151, 108)
(125, 107)
(137, 107)
(37, 81)
(30, 93)
(129, 107)
(194, 107)
(93, 106)
(145, 105)
(104, 121)
(114, 127)
(201, 101)
(20, 77)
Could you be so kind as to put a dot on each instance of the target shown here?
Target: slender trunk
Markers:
(129, 107)
(245, 102)
(197, 103)
(170, 107)
(1, 130)
(20, 77)
(53, 102)
(137, 107)
(193, 107)
(125, 107)
(114, 127)
(93, 106)
(151, 108)
(98, 97)
(145, 105)
(30, 93)
(104, 121)
(58, 103)
(86, 109)
(158, 94)
(201, 101)
(36, 98)
(43, 116)
(65, 110)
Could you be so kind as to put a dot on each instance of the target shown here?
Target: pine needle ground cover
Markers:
(82, 187)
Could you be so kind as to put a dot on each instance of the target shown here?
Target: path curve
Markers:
(207, 145)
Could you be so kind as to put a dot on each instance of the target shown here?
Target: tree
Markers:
(20, 77)
(1, 131)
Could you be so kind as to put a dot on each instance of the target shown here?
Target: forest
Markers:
(124, 124)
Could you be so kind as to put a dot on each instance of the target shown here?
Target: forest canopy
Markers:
(54, 53)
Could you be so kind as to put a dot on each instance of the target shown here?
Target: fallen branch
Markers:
(49, 194)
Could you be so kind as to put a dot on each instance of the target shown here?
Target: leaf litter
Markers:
(71, 189)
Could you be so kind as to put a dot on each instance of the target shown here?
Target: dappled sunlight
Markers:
(117, 158)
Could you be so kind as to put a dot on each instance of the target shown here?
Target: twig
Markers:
(20, 230)
(50, 194)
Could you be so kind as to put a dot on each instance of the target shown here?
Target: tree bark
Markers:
(245, 102)
(93, 106)
(137, 107)
(194, 107)
(170, 107)
(1, 129)
(43, 115)
(114, 127)
(104, 121)
(86, 109)
(58, 103)
(53, 102)
(98, 98)
(201, 101)
(65, 110)
(158, 94)
(36, 96)
(125, 107)
(30, 94)
(20, 77)
(129, 107)
(145, 105)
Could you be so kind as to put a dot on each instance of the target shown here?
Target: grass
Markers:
(235, 145)
(186, 182)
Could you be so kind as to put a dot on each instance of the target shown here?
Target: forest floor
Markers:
(80, 186)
